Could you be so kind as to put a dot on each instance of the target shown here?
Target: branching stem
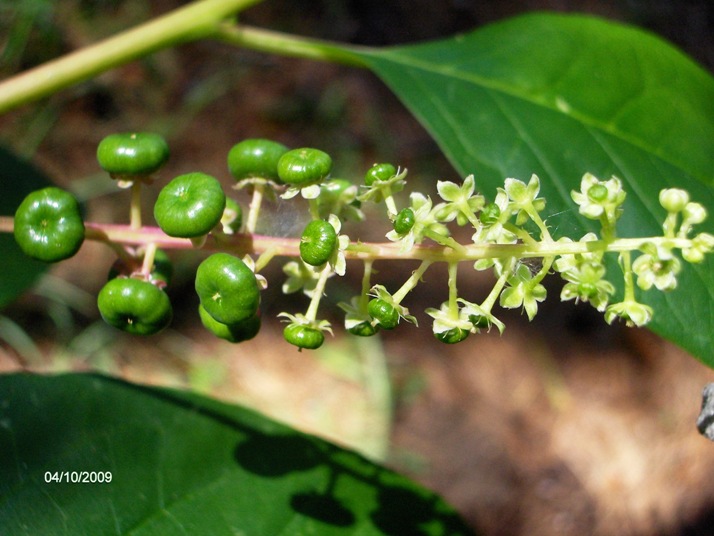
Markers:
(290, 247)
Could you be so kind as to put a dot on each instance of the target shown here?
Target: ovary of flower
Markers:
(594, 200)
(423, 219)
(496, 233)
(586, 283)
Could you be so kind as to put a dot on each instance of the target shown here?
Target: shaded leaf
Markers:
(185, 464)
(561, 95)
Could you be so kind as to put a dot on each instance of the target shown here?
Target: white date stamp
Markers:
(78, 477)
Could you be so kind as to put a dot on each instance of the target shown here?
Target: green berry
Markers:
(452, 336)
(386, 314)
(318, 242)
(490, 214)
(303, 336)
(331, 191)
(190, 205)
(365, 329)
(255, 158)
(135, 306)
(303, 167)
(48, 225)
(132, 154)
(404, 221)
(379, 172)
(238, 332)
(227, 288)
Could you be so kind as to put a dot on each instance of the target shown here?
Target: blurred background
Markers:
(561, 426)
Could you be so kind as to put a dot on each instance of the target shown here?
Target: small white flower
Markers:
(656, 266)
(598, 198)
(461, 203)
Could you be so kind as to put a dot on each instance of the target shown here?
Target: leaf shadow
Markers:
(270, 450)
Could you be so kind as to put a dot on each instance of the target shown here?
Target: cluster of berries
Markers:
(48, 225)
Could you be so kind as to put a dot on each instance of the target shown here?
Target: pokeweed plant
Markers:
(584, 144)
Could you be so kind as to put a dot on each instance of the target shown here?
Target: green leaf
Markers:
(185, 464)
(561, 95)
(17, 179)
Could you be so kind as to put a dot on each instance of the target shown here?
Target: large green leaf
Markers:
(561, 95)
(185, 464)
(17, 179)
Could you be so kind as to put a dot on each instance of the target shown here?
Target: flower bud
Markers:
(694, 213)
(673, 199)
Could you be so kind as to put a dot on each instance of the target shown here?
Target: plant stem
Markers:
(245, 243)
(254, 209)
(366, 285)
(194, 21)
(453, 291)
(311, 313)
(135, 207)
(272, 42)
(148, 263)
(412, 282)
(490, 300)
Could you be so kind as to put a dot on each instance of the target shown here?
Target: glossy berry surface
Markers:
(255, 158)
(190, 205)
(386, 315)
(132, 154)
(404, 221)
(305, 166)
(227, 288)
(303, 336)
(318, 242)
(238, 332)
(135, 306)
(48, 225)
(452, 336)
(365, 329)
(379, 172)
